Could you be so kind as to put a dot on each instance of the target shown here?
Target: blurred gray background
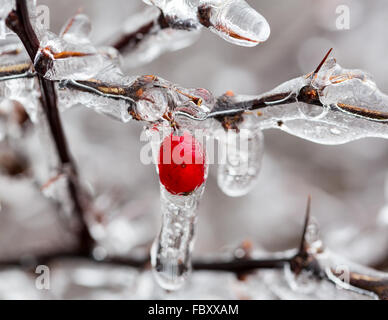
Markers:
(347, 182)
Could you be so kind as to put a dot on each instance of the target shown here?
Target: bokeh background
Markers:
(347, 182)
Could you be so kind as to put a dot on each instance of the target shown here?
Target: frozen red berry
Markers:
(181, 163)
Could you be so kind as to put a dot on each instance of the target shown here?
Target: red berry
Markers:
(181, 164)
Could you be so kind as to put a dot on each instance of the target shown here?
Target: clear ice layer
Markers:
(233, 20)
(70, 55)
(351, 107)
(172, 249)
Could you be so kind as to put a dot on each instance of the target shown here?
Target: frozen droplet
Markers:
(171, 250)
(310, 111)
(243, 156)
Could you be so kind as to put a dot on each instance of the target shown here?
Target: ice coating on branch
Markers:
(346, 105)
(147, 98)
(22, 91)
(70, 55)
(233, 20)
(147, 47)
(180, 14)
(341, 271)
(171, 250)
(244, 153)
(117, 109)
(14, 61)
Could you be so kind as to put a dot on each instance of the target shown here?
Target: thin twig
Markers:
(129, 41)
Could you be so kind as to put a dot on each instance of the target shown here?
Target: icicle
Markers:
(244, 153)
(181, 187)
(171, 250)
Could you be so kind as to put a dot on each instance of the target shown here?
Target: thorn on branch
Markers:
(303, 242)
(322, 62)
(303, 260)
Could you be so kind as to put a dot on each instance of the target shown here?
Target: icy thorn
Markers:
(322, 62)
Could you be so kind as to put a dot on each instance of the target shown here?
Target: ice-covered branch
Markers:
(173, 25)
(235, 21)
(331, 106)
(19, 21)
(310, 260)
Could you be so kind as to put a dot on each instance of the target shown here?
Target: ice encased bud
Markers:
(58, 59)
(243, 153)
(71, 55)
(236, 22)
(233, 20)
